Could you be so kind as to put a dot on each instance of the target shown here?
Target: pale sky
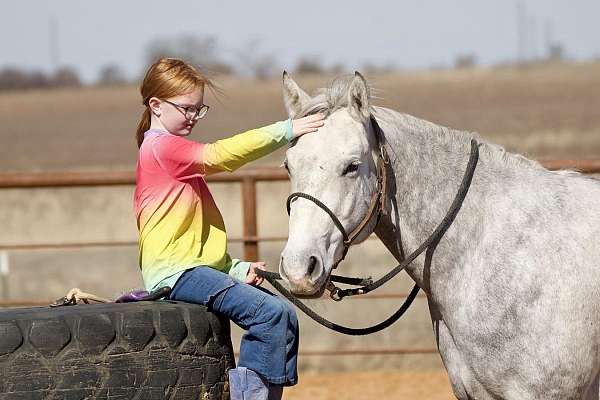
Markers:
(409, 34)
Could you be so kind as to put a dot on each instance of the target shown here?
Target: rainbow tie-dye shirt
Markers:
(179, 223)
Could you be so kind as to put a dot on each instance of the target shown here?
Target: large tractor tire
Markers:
(144, 350)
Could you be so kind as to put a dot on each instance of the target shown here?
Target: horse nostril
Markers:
(312, 265)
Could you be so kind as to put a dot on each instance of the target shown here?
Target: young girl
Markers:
(183, 243)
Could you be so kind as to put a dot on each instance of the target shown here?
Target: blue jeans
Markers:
(270, 345)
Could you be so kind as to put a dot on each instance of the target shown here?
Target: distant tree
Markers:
(265, 67)
(12, 78)
(337, 68)
(111, 75)
(38, 79)
(252, 60)
(465, 61)
(372, 68)
(65, 77)
(199, 51)
(556, 52)
(309, 65)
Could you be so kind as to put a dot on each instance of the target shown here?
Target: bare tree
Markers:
(374, 68)
(256, 62)
(337, 69)
(309, 65)
(111, 75)
(66, 76)
(556, 52)
(465, 61)
(200, 51)
(12, 78)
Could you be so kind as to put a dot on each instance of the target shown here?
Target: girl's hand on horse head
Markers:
(307, 124)
(252, 278)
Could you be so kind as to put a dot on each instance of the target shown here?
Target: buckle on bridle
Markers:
(383, 154)
(334, 291)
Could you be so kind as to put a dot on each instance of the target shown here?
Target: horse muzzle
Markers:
(303, 274)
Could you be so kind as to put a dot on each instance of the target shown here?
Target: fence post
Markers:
(4, 271)
(249, 213)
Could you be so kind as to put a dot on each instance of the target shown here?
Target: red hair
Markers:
(168, 77)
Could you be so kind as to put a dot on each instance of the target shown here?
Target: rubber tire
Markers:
(144, 350)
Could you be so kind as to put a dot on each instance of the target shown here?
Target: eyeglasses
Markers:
(190, 112)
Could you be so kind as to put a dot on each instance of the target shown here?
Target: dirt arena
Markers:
(372, 385)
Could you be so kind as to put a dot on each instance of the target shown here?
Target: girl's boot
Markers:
(245, 384)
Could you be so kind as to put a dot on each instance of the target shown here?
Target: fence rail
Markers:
(115, 178)
(112, 178)
(250, 239)
(247, 178)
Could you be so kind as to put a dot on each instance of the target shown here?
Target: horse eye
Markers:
(352, 167)
(285, 165)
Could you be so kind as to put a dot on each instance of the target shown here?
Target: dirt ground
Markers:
(372, 385)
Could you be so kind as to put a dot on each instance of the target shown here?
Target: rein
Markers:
(376, 208)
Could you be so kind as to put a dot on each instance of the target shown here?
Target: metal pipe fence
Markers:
(250, 239)
(246, 177)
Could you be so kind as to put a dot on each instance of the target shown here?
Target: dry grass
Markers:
(546, 111)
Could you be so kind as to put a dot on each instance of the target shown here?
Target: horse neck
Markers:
(427, 167)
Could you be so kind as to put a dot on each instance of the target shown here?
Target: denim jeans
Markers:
(270, 345)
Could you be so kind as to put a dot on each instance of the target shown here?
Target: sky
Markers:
(409, 34)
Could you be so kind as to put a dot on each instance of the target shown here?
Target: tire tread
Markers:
(145, 350)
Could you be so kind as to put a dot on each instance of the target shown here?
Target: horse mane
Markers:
(456, 139)
(329, 99)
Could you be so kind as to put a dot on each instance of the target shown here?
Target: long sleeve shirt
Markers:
(180, 226)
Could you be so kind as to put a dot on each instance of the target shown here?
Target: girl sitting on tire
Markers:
(182, 241)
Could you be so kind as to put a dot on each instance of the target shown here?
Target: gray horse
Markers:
(514, 285)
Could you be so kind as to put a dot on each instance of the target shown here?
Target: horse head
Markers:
(336, 165)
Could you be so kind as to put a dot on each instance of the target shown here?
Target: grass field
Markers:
(545, 111)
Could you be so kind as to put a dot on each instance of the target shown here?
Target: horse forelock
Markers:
(330, 99)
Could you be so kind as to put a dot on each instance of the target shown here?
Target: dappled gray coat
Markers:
(513, 286)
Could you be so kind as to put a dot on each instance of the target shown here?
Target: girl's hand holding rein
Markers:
(252, 278)
(310, 123)
(300, 126)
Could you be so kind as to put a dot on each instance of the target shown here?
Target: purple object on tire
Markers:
(134, 295)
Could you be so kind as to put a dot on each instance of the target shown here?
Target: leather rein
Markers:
(376, 209)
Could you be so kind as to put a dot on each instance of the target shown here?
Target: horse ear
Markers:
(294, 98)
(358, 97)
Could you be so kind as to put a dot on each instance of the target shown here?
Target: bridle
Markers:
(377, 208)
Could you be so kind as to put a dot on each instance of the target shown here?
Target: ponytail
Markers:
(143, 126)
